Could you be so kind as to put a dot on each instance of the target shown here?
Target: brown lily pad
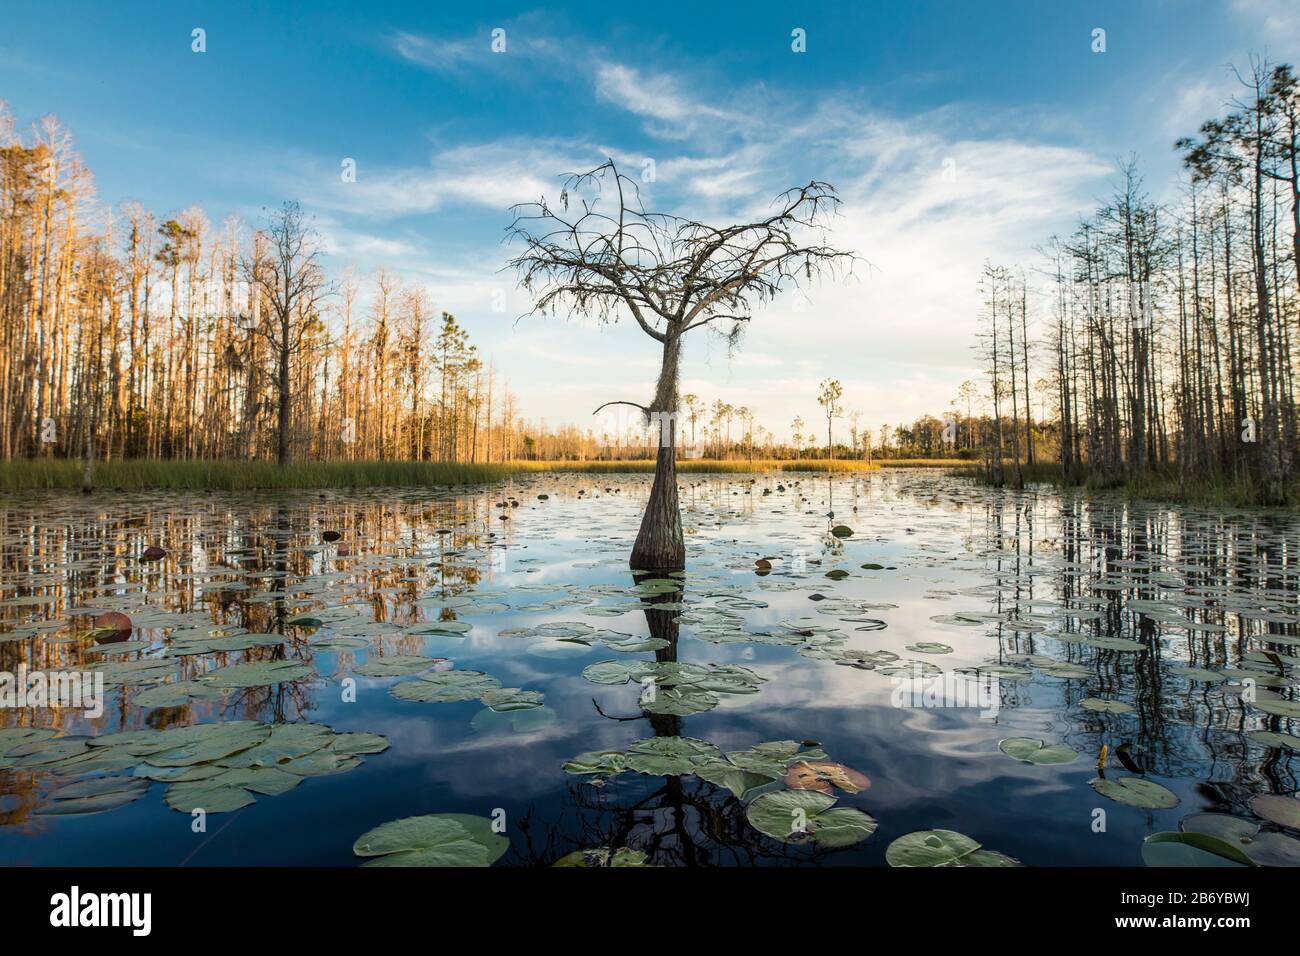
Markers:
(111, 626)
(823, 775)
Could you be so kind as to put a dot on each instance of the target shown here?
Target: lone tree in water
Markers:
(609, 258)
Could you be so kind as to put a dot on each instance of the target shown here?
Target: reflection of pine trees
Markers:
(1178, 728)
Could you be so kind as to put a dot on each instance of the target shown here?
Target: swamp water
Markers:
(845, 661)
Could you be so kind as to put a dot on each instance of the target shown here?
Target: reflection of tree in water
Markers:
(683, 821)
(1175, 729)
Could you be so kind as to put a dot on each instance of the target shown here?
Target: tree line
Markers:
(1165, 330)
(126, 334)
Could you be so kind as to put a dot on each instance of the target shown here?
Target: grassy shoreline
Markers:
(1220, 491)
(52, 474)
(149, 475)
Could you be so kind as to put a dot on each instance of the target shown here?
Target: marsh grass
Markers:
(1230, 490)
(145, 474)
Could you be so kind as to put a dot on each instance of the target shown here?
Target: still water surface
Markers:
(1045, 600)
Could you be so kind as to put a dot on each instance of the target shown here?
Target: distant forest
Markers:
(1165, 341)
(1153, 337)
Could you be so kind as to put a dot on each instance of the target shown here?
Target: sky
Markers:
(954, 132)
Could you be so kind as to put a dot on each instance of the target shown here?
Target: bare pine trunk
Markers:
(282, 449)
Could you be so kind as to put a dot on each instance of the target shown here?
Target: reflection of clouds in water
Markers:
(1011, 560)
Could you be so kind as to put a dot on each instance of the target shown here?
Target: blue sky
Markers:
(447, 134)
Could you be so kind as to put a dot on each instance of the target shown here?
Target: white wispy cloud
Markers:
(493, 175)
(438, 53)
(898, 334)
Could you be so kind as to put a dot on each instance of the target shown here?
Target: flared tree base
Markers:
(659, 544)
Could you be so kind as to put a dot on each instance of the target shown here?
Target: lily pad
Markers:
(446, 687)
(1032, 750)
(1106, 706)
(790, 815)
(436, 840)
(1278, 808)
(257, 674)
(930, 848)
(1135, 792)
(1191, 849)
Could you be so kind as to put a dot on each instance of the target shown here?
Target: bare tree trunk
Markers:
(282, 449)
(659, 544)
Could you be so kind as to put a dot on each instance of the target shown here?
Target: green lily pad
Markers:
(603, 857)
(94, 796)
(437, 840)
(791, 815)
(1032, 750)
(506, 699)
(213, 743)
(1191, 849)
(930, 848)
(208, 797)
(1271, 738)
(1105, 706)
(1277, 706)
(669, 756)
(257, 674)
(1278, 808)
(402, 666)
(286, 742)
(1135, 792)
(350, 745)
(175, 694)
(606, 763)
(1199, 673)
(445, 687)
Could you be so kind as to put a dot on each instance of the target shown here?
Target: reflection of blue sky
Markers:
(447, 134)
(929, 767)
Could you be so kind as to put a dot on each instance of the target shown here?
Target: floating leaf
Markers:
(175, 694)
(1191, 849)
(1279, 809)
(401, 666)
(438, 839)
(506, 699)
(257, 674)
(665, 756)
(1032, 750)
(1135, 792)
(929, 848)
(602, 857)
(779, 815)
(823, 775)
(1106, 706)
(929, 647)
(445, 687)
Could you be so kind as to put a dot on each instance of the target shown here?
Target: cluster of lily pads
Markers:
(216, 767)
(788, 788)
(584, 635)
(1222, 839)
(674, 688)
(437, 683)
